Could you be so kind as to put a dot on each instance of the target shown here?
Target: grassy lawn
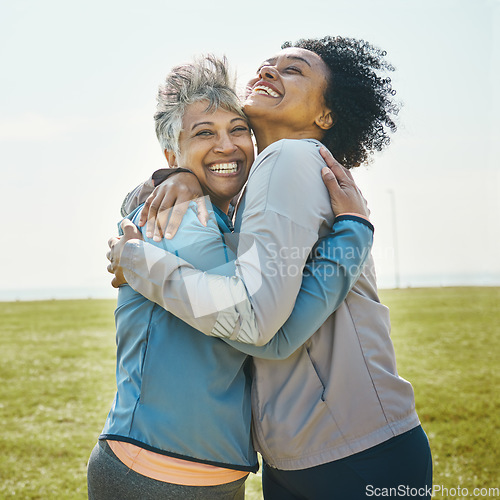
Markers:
(57, 372)
(448, 345)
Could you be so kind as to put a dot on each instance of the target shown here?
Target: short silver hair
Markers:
(206, 79)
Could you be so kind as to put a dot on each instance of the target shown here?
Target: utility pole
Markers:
(395, 237)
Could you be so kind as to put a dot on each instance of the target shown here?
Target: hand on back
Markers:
(166, 205)
(345, 196)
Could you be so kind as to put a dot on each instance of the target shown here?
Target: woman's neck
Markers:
(222, 205)
(265, 136)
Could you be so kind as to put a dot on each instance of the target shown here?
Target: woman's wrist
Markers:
(354, 214)
(362, 219)
(163, 174)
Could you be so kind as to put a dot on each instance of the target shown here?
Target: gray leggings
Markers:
(108, 478)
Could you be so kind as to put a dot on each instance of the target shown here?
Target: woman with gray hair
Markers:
(180, 423)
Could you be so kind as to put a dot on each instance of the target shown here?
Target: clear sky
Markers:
(78, 84)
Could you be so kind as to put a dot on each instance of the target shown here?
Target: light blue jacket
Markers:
(187, 395)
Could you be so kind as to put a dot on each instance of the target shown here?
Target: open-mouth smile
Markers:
(224, 168)
(266, 90)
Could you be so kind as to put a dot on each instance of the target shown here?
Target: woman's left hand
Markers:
(116, 245)
(345, 196)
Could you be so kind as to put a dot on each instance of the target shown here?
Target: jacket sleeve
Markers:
(282, 218)
(137, 196)
(336, 265)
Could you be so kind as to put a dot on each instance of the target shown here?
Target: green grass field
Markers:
(57, 373)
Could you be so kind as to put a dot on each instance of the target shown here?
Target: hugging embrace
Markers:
(254, 325)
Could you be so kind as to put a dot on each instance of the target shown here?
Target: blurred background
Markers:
(78, 90)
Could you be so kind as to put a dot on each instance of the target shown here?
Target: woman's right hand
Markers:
(166, 205)
(345, 196)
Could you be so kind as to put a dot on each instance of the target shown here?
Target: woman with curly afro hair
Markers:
(362, 101)
(331, 417)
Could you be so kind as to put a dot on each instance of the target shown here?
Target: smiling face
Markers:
(286, 98)
(217, 147)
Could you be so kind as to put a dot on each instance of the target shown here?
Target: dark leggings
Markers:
(403, 463)
(110, 479)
